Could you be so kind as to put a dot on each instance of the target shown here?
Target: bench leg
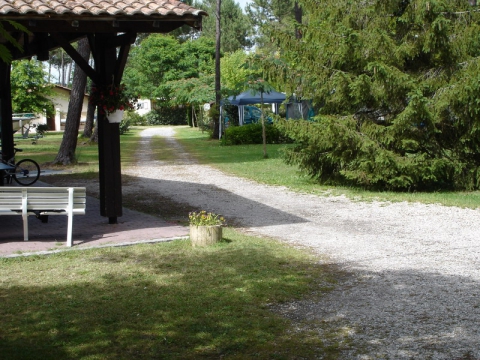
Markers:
(69, 230)
(24, 215)
(25, 227)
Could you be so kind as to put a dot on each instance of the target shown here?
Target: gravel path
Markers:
(413, 289)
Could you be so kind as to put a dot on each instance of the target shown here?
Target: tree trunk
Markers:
(218, 94)
(94, 136)
(193, 116)
(66, 153)
(88, 129)
(49, 71)
(298, 18)
(62, 67)
(69, 74)
(264, 134)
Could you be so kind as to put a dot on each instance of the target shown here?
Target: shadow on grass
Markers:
(140, 303)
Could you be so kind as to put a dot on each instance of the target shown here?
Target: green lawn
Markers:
(247, 161)
(163, 301)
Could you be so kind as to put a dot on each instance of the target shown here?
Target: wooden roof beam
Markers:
(79, 60)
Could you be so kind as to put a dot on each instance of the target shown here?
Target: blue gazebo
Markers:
(249, 98)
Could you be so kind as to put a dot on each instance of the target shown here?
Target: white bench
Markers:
(43, 201)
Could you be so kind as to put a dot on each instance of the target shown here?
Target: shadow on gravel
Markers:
(180, 198)
(400, 314)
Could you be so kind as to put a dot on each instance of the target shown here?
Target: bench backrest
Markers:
(42, 198)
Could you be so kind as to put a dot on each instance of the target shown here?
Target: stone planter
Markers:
(115, 117)
(204, 235)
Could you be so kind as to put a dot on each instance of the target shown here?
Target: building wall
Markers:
(144, 106)
(60, 101)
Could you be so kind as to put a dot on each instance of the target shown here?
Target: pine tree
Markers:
(396, 85)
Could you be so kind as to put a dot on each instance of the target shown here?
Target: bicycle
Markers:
(26, 172)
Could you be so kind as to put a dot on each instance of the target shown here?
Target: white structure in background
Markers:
(60, 99)
(144, 106)
(23, 119)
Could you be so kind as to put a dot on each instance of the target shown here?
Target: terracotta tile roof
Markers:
(97, 8)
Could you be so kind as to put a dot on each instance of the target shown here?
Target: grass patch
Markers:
(247, 161)
(46, 149)
(162, 150)
(162, 301)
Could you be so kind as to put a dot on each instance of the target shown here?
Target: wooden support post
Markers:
(108, 138)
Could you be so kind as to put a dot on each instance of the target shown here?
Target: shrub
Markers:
(167, 116)
(252, 134)
(135, 118)
(334, 151)
(41, 129)
(124, 125)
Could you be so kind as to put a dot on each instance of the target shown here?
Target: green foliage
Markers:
(151, 64)
(235, 25)
(268, 14)
(397, 85)
(5, 54)
(167, 116)
(197, 91)
(178, 73)
(30, 88)
(252, 134)
(232, 71)
(135, 119)
(124, 125)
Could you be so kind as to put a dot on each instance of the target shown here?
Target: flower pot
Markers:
(115, 117)
(203, 235)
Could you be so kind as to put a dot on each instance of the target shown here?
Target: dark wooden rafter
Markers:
(122, 57)
(93, 48)
(80, 61)
(122, 40)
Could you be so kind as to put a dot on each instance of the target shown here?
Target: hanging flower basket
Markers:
(112, 98)
(115, 117)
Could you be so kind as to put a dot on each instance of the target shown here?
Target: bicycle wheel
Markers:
(26, 172)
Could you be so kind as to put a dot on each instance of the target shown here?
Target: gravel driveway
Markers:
(413, 286)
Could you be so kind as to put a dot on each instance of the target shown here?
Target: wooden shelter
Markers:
(111, 27)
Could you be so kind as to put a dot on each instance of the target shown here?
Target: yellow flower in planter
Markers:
(205, 228)
(205, 218)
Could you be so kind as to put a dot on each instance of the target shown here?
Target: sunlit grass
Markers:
(247, 161)
(46, 148)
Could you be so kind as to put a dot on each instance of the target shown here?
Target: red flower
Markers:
(111, 98)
